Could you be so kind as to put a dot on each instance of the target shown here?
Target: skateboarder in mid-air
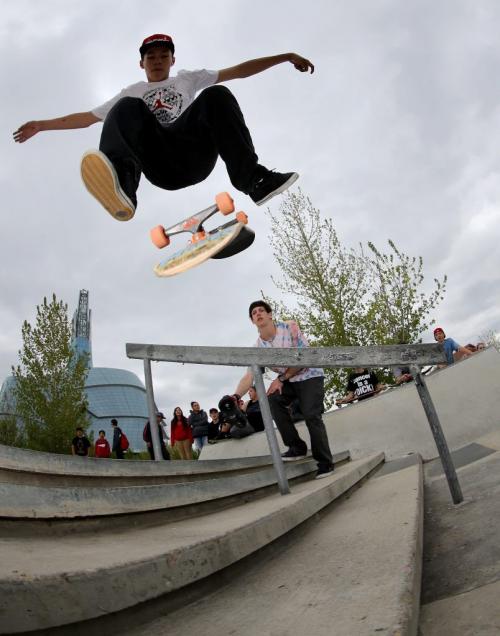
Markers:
(160, 128)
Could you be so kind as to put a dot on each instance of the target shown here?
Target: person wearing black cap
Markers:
(146, 436)
(161, 129)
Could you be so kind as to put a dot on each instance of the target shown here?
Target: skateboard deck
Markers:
(223, 241)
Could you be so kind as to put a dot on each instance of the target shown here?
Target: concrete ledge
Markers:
(45, 583)
(37, 502)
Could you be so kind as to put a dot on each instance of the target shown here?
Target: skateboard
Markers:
(223, 241)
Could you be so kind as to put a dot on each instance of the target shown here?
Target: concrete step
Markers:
(55, 501)
(354, 572)
(20, 466)
(41, 502)
(37, 468)
(48, 581)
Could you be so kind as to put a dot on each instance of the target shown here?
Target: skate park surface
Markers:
(168, 548)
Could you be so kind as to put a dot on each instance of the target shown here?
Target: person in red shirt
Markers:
(181, 435)
(102, 448)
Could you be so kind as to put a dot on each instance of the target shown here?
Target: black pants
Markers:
(310, 394)
(184, 152)
(164, 452)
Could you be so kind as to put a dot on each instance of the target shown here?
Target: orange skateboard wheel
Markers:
(159, 237)
(241, 217)
(225, 203)
(198, 236)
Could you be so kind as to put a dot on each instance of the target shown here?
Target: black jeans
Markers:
(310, 394)
(164, 452)
(184, 152)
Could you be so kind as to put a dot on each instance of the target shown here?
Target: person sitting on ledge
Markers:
(453, 351)
(361, 384)
(402, 375)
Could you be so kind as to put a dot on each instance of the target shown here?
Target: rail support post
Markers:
(155, 437)
(439, 438)
(265, 410)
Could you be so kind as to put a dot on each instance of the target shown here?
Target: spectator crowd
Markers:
(364, 383)
(236, 418)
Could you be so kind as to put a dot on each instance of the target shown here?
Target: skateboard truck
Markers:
(194, 224)
(221, 242)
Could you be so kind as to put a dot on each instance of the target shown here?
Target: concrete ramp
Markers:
(466, 396)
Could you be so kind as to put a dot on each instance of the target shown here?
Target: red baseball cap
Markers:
(438, 329)
(157, 39)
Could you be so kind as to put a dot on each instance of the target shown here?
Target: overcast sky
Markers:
(396, 135)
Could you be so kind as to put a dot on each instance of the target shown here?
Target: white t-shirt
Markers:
(166, 99)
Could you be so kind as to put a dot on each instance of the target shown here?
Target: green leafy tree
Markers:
(344, 296)
(50, 381)
(10, 433)
(398, 309)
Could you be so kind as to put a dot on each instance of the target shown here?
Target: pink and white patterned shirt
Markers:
(288, 335)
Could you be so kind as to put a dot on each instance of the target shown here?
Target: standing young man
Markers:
(306, 385)
(158, 128)
(198, 421)
(146, 436)
(102, 447)
(116, 446)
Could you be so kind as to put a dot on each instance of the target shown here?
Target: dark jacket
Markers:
(146, 436)
(254, 416)
(117, 434)
(199, 423)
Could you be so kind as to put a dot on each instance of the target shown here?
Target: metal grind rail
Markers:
(414, 356)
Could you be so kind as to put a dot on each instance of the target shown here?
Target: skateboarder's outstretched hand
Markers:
(301, 63)
(252, 67)
(74, 120)
(27, 130)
